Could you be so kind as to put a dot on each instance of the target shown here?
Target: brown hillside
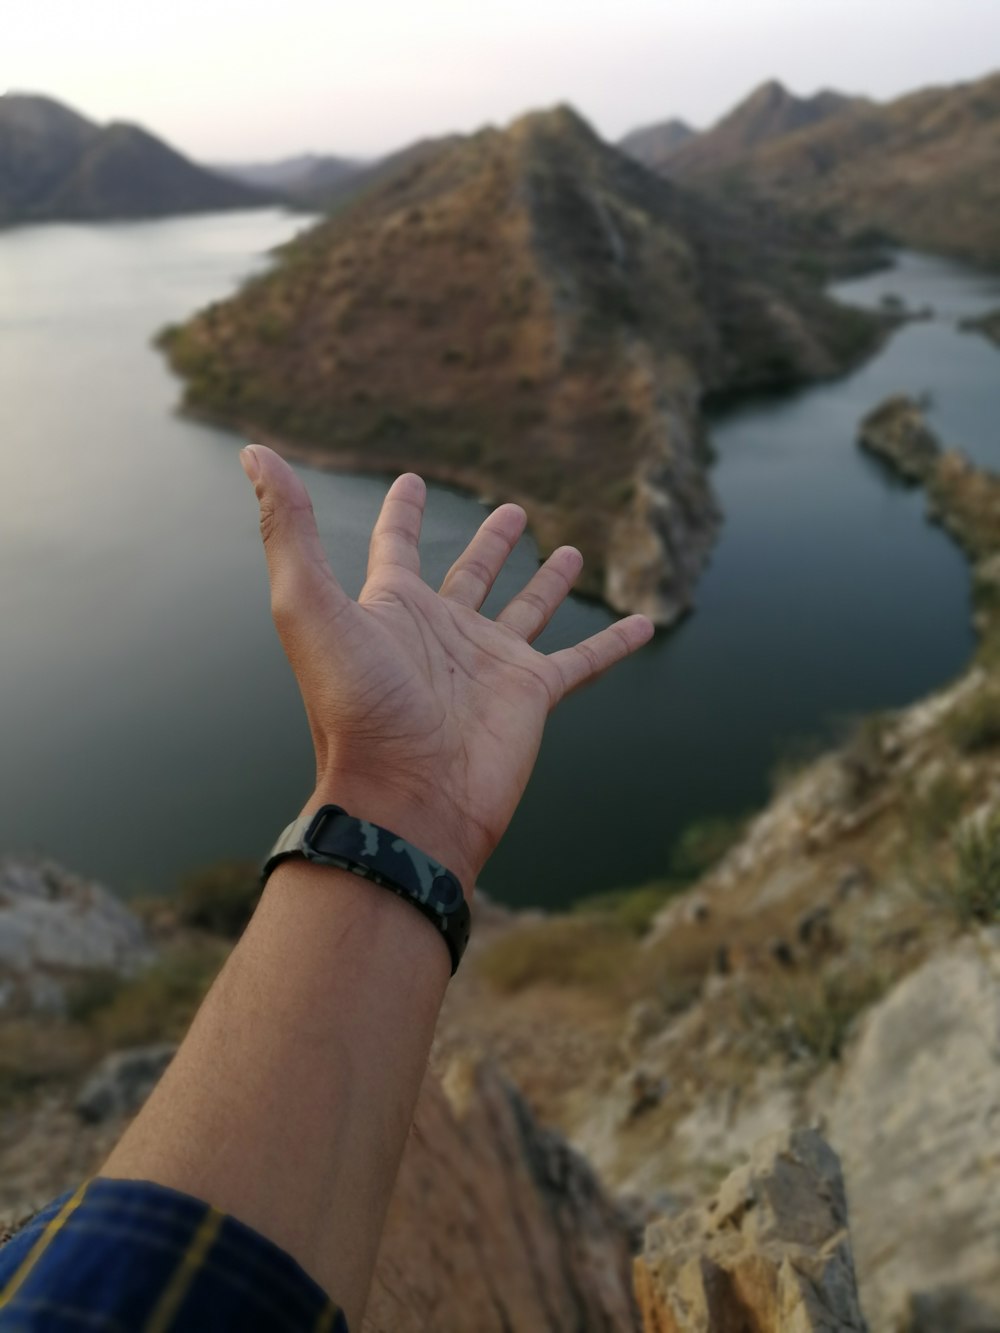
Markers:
(653, 144)
(530, 314)
(769, 113)
(924, 169)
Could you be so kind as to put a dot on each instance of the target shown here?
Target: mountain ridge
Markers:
(922, 169)
(769, 112)
(57, 165)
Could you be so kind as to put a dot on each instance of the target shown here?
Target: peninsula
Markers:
(533, 316)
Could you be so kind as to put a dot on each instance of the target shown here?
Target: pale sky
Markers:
(258, 79)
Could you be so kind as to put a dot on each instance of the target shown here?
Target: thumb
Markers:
(297, 565)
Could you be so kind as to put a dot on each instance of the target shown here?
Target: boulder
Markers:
(122, 1082)
(770, 1253)
(56, 928)
(496, 1224)
(916, 1121)
(897, 432)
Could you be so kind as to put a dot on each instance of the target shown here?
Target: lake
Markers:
(148, 722)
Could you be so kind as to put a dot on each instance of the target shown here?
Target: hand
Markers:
(425, 716)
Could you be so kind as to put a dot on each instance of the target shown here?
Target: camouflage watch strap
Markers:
(332, 837)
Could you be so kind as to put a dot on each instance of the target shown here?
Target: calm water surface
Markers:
(148, 723)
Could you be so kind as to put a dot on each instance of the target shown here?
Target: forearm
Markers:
(289, 1102)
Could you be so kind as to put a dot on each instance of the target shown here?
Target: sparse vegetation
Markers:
(975, 724)
(221, 898)
(973, 890)
(863, 759)
(931, 812)
(593, 953)
(809, 1017)
(635, 909)
(703, 844)
(158, 1004)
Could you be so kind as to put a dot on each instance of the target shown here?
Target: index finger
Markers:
(396, 535)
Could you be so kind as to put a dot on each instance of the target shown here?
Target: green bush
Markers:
(703, 844)
(221, 898)
(973, 891)
(159, 1004)
(975, 725)
(933, 812)
(810, 1018)
(634, 909)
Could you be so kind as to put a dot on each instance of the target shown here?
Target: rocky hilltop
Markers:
(653, 144)
(923, 169)
(531, 315)
(769, 112)
(55, 163)
(535, 1240)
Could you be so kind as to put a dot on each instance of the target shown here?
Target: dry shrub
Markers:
(588, 952)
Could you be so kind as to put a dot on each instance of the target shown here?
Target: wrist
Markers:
(415, 819)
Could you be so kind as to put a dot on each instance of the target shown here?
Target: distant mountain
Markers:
(55, 163)
(770, 112)
(924, 170)
(532, 315)
(289, 174)
(328, 190)
(653, 145)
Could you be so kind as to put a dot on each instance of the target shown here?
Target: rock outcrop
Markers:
(770, 1252)
(56, 929)
(897, 432)
(122, 1082)
(917, 1123)
(497, 1224)
(988, 325)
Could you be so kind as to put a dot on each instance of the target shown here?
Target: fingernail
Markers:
(250, 462)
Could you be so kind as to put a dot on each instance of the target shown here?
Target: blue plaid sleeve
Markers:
(126, 1256)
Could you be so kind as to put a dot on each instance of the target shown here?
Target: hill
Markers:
(287, 174)
(329, 190)
(770, 112)
(529, 314)
(55, 163)
(923, 169)
(652, 145)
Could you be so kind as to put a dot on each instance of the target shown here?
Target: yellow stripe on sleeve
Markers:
(184, 1274)
(41, 1245)
(325, 1321)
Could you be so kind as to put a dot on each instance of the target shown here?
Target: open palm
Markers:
(425, 715)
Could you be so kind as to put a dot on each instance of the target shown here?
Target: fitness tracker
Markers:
(332, 837)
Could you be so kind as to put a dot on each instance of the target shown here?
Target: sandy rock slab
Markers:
(769, 1254)
(497, 1225)
(917, 1124)
(56, 928)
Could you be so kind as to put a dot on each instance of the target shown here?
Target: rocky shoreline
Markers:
(988, 325)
